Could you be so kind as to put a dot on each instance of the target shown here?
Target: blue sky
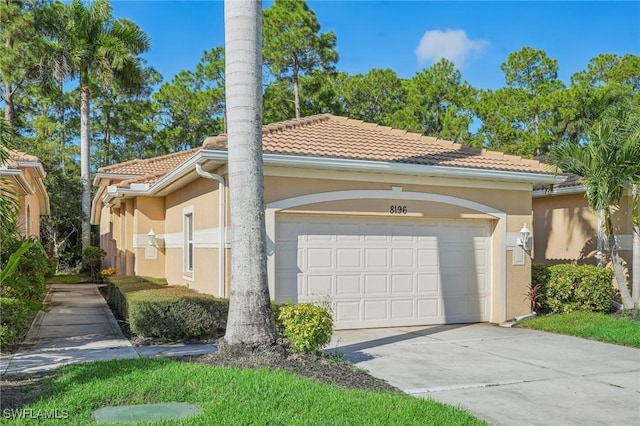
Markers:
(477, 36)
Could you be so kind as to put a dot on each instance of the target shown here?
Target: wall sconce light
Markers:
(525, 236)
(151, 237)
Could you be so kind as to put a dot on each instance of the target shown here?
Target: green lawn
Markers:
(231, 397)
(67, 279)
(605, 328)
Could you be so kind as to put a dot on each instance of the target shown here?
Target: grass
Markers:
(231, 396)
(67, 279)
(589, 325)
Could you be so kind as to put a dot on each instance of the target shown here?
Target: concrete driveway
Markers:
(507, 376)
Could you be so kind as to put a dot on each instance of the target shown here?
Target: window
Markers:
(188, 242)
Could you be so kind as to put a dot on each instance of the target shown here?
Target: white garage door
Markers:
(384, 273)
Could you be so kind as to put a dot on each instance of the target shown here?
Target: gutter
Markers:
(221, 225)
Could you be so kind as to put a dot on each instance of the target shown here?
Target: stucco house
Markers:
(565, 228)
(394, 228)
(24, 175)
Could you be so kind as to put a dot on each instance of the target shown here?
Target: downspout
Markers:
(221, 225)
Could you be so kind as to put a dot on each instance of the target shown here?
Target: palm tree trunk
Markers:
(635, 286)
(627, 301)
(635, 271)
(85, 169)
(250, 320)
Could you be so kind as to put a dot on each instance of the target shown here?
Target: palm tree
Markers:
(101, 48)
(607, 165)
(250, 320)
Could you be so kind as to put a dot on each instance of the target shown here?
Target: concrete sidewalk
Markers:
(79, 327)
(507, 376)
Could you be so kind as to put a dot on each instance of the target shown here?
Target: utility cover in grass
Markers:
(146, 412)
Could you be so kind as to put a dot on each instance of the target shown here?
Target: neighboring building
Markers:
(23, 175)
(565, 228)
(393, 227)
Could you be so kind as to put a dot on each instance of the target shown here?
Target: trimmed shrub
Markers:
(570, 288)
(309, 327)
(119, 287)
(154, 313)
(167, 312)
(14, 320)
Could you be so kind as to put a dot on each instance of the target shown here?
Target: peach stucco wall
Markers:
(566, 228)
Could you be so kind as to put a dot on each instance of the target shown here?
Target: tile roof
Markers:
(156, 166)
(19, 156)
(571, 181)
(331, 136)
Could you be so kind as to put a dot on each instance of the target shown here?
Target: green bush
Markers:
(167, 312)
(154, 313)
(14, 320)
(92, 258)
(570, 288)
(309, 327)
(27, 282)
(119, 287)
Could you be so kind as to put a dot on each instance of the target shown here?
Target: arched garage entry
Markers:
(381, 272)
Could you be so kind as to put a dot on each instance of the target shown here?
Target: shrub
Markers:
(166, 312)
(108, 272)
(27, 280)
(309, 327)
(159, 313)
(92, 257)
(14, 320)
(570, 288)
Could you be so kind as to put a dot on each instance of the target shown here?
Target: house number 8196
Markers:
(398, 209)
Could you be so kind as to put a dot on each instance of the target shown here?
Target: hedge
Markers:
(168, 312)
(570, 288)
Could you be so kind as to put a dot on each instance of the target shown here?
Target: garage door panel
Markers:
(348, 258)
(349, 285)
(376, 310)
(376, 258)
(427, 257)
(428, 309)
(402, 284)
(348, 311)
(376, 284)
(319, 286)
(319, 258)
(428, 284)
(386, 273)
(402, 258)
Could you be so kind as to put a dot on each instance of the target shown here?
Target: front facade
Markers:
(391, 228)
(23, 176)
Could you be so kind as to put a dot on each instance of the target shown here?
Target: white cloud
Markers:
(453, 45)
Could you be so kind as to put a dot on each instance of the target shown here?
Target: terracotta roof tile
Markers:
(15, 156)
(571, 181)
(331, 136)
(150, 166)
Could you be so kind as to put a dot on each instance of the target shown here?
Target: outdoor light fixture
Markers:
(151, 237)
(525, 234)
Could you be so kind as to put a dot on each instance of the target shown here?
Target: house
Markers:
(394, 228)
(24, 175)
(565, 228)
